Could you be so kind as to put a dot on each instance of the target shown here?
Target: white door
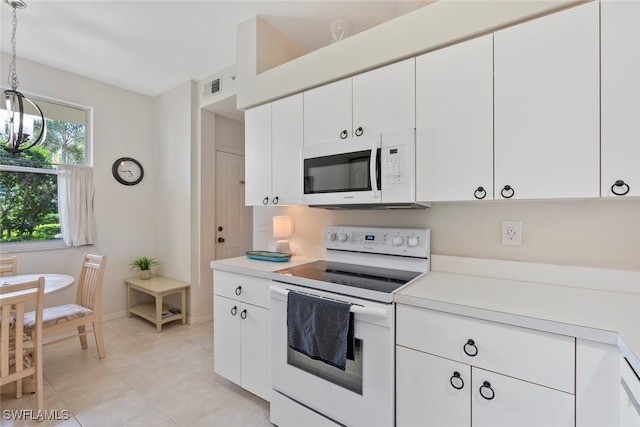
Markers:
(254, 328)
(547, 133)
(226, 330)
(620, 21)
(454, 122)
(234, 235)
(286, 142)
(257, 142)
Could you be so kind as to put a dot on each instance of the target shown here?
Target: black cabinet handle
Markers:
(234, 310)
(471, 344)
(490, 394)
(243, 314)
(620, 183)
(220, 228)
(344, 134)
(510, 192)
(220, 239)
(265, 201)
(458, 380)
(359, 131)
(238, 290)
(275, 200)
(480, 193)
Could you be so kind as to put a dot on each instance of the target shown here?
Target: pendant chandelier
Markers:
(20, 125)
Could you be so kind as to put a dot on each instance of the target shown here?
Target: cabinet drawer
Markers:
(535, 356)
(249, 289)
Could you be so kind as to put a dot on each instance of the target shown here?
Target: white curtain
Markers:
(75, 204)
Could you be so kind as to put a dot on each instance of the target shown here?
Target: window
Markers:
(28, 181)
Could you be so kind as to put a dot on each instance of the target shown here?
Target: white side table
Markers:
(158, 287)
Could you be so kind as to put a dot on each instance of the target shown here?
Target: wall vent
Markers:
(211, 87)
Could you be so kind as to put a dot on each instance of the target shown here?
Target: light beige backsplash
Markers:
(589, 233)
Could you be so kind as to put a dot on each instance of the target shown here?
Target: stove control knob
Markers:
(331, 236)
(398, 241)
(413, 242)
(343, 237)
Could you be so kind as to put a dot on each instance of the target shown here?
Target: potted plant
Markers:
(144, 264)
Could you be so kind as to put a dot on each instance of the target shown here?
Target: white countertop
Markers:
(253, 267)
(606, 316)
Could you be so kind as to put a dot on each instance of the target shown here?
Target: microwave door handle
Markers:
(373, 169)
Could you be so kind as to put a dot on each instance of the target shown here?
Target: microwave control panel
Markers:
(397, 164)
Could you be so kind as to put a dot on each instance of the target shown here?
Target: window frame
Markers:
(44, 245)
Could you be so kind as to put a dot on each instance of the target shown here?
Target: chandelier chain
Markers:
(13, 72)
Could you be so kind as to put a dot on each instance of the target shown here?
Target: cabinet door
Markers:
(384, 99)
(327, 112)
(620, 38)
(517, 403)
(547, 106)
(425, 393)
(286, 142)
(454, 122)
(255, 350)
(226, 335)
(257, 125)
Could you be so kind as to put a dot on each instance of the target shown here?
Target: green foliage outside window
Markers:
(29, 198)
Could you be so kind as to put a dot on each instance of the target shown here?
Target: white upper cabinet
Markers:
(620, 44)
(547, 106)
(454, 122)
(257, 139)
(384, 99)
(327, 112)
(273, 138)
(372, 102)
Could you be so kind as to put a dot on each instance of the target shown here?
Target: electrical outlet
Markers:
(511, 233)
(262, 225)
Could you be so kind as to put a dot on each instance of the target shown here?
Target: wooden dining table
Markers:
(52, 283)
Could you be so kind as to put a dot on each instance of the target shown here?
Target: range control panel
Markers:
(413, 242)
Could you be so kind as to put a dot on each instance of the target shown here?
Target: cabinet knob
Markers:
(470, 348)
(220, 228)
(220, 239)
(238, 290)
(456, 381)
(480, 193)
(243, 315)
(234, 310)
(507, 192)
(486, 391)
(359, 131)
(275, 200)
(344, 134)
(620, 183)
(265, 201)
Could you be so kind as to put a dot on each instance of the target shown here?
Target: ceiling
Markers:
(151, 46)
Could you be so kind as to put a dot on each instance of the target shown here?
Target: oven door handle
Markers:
(355, 309)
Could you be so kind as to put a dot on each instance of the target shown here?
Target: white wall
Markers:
(587, 233)
(122, 123)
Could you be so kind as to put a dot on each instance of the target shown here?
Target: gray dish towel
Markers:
(320, 328)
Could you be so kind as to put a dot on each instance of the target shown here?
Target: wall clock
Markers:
(127, 171)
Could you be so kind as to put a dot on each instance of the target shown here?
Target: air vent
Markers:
(212, 87)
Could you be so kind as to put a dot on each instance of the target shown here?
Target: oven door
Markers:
(362, 395)
(345, 172)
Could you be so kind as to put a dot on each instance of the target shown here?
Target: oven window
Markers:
(350, 378)
(338, 173)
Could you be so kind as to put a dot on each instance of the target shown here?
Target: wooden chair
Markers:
(9, 266)
(86, 310)
(21, 354)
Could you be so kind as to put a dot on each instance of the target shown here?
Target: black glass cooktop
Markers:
(358, 276)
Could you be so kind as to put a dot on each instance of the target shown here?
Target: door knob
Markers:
(220, 240)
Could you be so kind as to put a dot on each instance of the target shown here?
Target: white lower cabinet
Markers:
(241, 331)
(457, 371)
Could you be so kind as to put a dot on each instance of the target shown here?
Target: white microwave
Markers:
(376, 171)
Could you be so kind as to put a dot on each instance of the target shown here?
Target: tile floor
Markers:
(147, 379)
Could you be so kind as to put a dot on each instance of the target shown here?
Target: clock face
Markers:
(127, 171)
